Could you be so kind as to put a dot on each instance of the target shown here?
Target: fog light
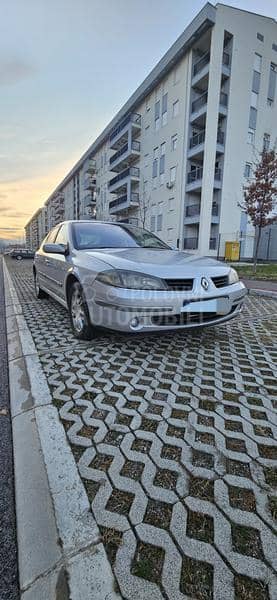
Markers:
(134, 322)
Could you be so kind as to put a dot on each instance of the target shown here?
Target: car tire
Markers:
(38, 291)
(79, 314)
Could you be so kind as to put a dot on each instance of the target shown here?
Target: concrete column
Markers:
(210, 139)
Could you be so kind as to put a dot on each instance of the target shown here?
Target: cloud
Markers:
(9, 229)
(14, 70)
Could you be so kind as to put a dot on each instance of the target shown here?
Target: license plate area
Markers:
(221, 306)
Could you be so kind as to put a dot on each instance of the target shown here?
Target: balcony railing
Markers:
(193, 210)
(123, 199)
(131, 171)
(212, 244)
(89, 199)
(135, 145)
(226, 58)
(89, 182)
(191, 243)
(223, 99)
(197, 139)
(220, 137)
(91, 167)
(131, 118)
(195, 175)
(217, 174)
(215, 209)
(199, 102)
(202, 62)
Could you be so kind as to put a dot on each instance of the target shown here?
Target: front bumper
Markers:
(141, 311)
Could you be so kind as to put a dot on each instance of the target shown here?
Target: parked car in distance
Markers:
(124, 278)
(21, 253)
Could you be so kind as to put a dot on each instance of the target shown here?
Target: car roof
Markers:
(92, 222)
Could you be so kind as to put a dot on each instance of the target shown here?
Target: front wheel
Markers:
(18, 257)
(79, 314)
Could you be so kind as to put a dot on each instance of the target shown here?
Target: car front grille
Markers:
(187, 318)
(221, 281)
(180, 285)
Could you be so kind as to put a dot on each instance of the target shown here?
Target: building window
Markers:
(174, 142)
(251, 136)
(256, 82)
(170, 204)
(157, 115)
(164, 109)
(175, 108)
(260, 37)
(147, 104)
(155, 168)
(272, 83)
(172, 175)
(257, 62)
(147, 129)
(156, 152)
(254, 99)
(266, 142)
(170, 234)
(152, 223)
(176, 75)
(252, 118)
(247, 170)
(274, 47)
(159, 222)
(155, 183)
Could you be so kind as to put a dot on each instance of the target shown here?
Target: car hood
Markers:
(162, 263)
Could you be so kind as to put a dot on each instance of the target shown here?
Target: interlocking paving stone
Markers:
(175, 437)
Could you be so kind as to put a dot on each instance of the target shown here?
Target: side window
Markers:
(62, 236)
(51, 236)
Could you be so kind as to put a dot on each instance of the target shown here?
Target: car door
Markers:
(58, 264)
(43, 262)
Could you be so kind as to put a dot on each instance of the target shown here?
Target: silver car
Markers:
(124, 278)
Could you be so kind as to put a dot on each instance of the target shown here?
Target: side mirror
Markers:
(56, 249)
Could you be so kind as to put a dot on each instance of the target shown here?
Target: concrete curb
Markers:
(60, 553)
(266, 293)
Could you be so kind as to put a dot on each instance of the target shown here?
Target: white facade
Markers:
(177, 155)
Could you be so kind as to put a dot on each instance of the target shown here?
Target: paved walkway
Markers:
(175, 441)
(8, 546)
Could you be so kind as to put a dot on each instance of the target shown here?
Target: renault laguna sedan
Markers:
(124, 278)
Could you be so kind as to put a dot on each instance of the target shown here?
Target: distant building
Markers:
(176, 156)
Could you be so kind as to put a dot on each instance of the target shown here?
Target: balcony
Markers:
(191, 243)
(91, 167)
(122, 178)
(226, 64)
(89, 199)
(123, 202)
(194, 179)
(89, 182)
(201, 63)
(125, 155)
(223, 102)
(212, 244)
(199, 108)
(132, 120)
(196, 144)
(192, 213)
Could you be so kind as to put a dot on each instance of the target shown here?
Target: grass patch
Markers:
(264, 272)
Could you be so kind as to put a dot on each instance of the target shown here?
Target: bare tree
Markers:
(144, 206)
(260, 196)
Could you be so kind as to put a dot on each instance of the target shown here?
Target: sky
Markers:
(66, 67)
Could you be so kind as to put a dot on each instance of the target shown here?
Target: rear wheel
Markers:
(38, 291)
(79, 314)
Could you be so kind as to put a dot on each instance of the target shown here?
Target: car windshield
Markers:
(105, 235)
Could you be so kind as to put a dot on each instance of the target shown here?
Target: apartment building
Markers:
(177, 155)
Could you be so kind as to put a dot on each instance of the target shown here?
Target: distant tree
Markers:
(260, 196)
(144, 206)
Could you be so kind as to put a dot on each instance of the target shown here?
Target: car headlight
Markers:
(233, 276)
(131, 280)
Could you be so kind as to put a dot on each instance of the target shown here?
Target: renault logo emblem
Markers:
(204, 283)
